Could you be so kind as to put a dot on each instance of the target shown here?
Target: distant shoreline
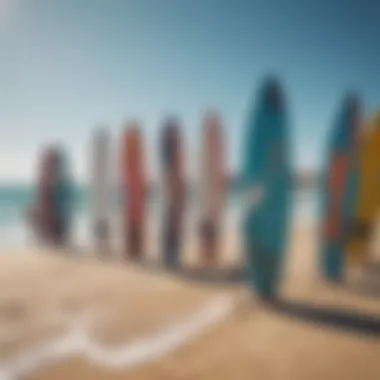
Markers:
(303, 180)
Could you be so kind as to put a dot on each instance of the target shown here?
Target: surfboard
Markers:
(64, 200)
(133, 190)
(212, 187)
(266, 181)
(41, 214)
(339, 188)
(100, 189)
(368, 198)
(52, 212)
(174, 192)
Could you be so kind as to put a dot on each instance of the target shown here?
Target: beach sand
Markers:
(68, 317)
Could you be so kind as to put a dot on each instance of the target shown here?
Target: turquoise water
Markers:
(14, 200)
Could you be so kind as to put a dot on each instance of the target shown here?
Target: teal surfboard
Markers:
(266, 180)
(339, 188)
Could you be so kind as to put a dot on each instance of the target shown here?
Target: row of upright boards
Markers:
(133, 190)
(349, 189)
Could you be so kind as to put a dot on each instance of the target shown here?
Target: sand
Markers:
(65, 317)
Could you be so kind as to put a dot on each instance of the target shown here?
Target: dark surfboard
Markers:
(174, 192)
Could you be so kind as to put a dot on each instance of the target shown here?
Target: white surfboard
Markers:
(101, 187)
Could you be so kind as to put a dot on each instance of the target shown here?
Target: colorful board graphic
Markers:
(368, 201)
(267, 185)
(339, 188)
(212, 187)
(174, 192)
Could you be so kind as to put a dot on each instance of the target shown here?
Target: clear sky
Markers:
(66, 65)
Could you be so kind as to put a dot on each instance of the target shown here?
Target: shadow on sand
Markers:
(220, 276)
(338, 318)
(212, 275)
(202, 275)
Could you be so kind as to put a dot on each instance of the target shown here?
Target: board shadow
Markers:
(222, 276)
(333, 317)
(337, 318)
(231, 275)
(214, 275)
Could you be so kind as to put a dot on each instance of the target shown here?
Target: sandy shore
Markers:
(64, 317)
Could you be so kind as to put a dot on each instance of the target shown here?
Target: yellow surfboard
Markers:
(368, 200)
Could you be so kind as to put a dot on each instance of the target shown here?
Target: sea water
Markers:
(15, 199)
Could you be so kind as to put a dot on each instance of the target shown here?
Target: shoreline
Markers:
(123, 356)
(48, 295)
(170, 316)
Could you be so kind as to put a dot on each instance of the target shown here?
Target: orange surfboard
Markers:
(339, 188)
(212, 186)
(133, 190)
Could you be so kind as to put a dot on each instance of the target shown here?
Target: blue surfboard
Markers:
(267, 187)
(339, 188)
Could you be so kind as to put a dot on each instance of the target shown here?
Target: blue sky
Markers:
(67, 65)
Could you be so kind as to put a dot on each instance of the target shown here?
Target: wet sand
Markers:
(64, 317)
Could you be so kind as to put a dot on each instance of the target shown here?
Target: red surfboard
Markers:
(133, 190)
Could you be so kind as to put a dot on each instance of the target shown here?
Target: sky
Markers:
(67, 65)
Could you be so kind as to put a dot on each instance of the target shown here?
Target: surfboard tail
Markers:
(263, 267)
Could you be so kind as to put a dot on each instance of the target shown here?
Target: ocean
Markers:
(15, 199)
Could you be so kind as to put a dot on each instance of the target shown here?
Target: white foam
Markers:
(78, 342)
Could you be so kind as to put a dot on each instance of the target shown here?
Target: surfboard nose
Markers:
(352, 106)
(170, 138)
(273, 94)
